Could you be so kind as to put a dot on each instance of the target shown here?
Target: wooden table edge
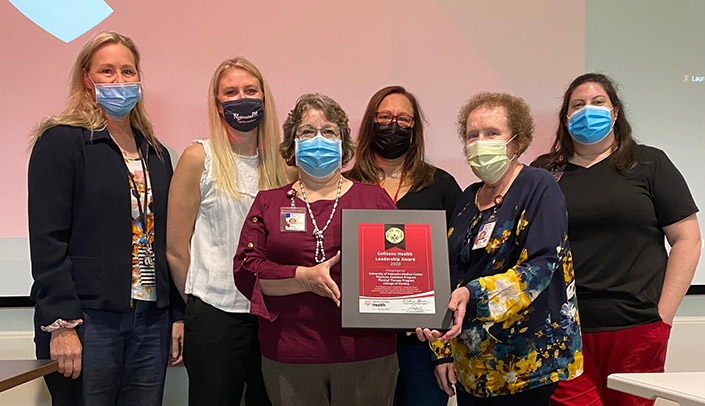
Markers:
(17, 380)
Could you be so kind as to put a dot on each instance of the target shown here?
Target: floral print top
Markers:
(521, 328)
(143, 275)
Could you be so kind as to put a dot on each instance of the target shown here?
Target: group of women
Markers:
(251, 242)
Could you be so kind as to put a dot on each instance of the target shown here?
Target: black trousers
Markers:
(540, 396)
(221, 354)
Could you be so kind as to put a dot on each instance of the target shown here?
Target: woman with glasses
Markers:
(98, 181)
(214, 186)
(515, 333)
(287, 263)
(390, 153)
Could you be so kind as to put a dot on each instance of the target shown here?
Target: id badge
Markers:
(292, 219)
(145, 257)
(145, 260)
(483, 236)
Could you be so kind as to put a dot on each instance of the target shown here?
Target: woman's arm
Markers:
(684, 238)
(314, 279)
(51, 187)
(265, 282)
(540, 234)
(184, 200)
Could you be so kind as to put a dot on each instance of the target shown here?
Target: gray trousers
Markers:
(363, 383)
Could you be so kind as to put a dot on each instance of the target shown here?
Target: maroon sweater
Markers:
(303, 328)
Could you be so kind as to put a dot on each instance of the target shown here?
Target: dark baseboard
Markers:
(25, 301)
(16, 301)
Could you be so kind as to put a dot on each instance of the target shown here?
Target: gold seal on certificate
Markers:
(395, 269)
(394, 235)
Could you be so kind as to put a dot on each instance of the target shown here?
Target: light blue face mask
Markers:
(590, 124)
(319, 157)
(118, 99)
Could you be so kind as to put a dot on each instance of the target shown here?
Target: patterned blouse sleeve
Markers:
(539, 235)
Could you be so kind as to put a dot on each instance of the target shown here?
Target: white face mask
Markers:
(488, 159)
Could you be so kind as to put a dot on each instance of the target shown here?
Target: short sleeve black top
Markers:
(442, 194)
(616, 233)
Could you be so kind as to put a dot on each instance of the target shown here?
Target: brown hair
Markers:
(365, 169)
(332, 111)
(518, 116)
(623, 158)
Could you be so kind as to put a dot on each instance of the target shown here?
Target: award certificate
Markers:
(395, 269)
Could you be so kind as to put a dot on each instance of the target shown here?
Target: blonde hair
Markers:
(271, 166)
(81, 109)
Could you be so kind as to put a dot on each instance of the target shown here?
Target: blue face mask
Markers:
(117, 99)
(319, 157)
(590, 124)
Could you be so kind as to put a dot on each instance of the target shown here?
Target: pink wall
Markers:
(444, 51)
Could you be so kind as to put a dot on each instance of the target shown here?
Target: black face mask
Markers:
(391, 141)
(243, 114)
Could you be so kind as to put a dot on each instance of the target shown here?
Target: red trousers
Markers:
(634, 349)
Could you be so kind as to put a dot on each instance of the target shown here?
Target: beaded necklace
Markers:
(320, 254)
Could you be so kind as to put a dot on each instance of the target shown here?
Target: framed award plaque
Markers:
(395, 273)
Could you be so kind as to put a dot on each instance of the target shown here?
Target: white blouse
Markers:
(216, 235)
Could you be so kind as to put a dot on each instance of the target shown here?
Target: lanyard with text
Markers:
(145, 252)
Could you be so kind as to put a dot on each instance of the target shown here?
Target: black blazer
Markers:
(80, 223)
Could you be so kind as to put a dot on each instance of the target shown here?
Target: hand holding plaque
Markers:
(458, 304)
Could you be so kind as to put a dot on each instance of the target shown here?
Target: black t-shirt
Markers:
(442, 194)
(616, 234)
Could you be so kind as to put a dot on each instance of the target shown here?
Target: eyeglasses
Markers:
(386, 118)
(308, 131)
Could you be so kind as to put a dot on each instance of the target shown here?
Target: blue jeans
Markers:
(416, 383)
(124, 358)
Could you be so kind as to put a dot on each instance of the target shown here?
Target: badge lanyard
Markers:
(487, 227)
(142, 207)
(144, 249)
(485, 232)
(292, 218)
